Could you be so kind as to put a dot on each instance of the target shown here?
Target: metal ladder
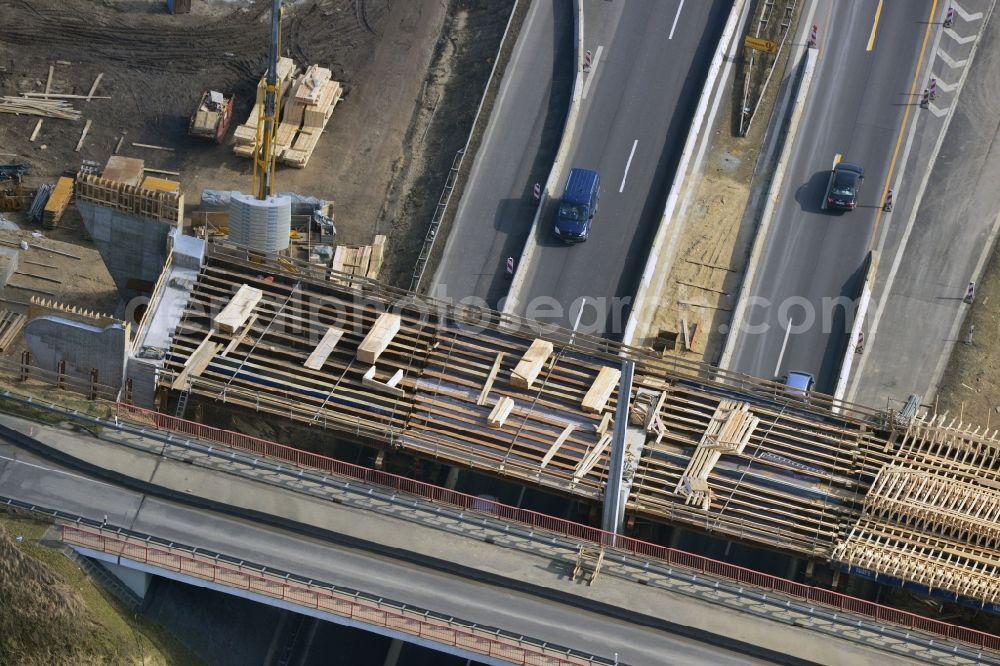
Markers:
(182, 401)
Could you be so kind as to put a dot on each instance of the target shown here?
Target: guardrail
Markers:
(451, 181)
(472, 638)
(563, 527)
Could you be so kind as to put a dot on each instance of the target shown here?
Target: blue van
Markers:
(578, 205)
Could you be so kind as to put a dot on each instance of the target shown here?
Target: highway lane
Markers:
(496, 209)
(802, 299)
(31, 479)
(651, 57)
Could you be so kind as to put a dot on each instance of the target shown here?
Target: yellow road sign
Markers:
(761, 45)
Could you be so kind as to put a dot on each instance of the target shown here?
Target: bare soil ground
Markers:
(54, 614)
(970, 389)
(413, 73)
(718, 229)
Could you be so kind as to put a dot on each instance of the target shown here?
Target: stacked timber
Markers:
(57, 203)
(304, 114)
(48, 108)
(358, 260)
(246, 134)
(316, 95)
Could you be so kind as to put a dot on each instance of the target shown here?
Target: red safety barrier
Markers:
(541, 521)
(340, 603)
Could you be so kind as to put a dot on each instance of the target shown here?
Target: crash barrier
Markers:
(563, 527)
(445, 630)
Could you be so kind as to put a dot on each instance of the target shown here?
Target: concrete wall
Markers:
(133, 247)
(137, 581)
(52, 338)
(142, 372)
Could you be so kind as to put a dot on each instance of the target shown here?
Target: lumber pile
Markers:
(379, 337)
(728, 432)
(239, 309)
(246, 134)
(316, 95)
(57, 203)
(530, 365)
(358, 260)
(600, 391)
(312, 97)
(47, 108)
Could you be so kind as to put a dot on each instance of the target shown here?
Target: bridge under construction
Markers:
(906, 497)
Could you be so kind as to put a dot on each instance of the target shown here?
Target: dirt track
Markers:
(412, 72)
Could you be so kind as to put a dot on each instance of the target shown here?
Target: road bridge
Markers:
(391, 546)
(715, 450)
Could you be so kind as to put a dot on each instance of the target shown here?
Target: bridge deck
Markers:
(808, 478)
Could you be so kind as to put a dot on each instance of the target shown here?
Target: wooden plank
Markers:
(377, 256)
(500, 412)
(152, 147)
(684, 332)
(162, 171)
(34, 95)
(83, 135)
(591, 458)
(600, 391)
(38, 127)
(490, 379)
(197, 362)
(325, 347)
(48, 82)
(389, 387)
(603, 426)
(118, 146)
(530, 365)
(239, 309)
(93, 88)
(379, 337)
(237, 340)
(560, 440)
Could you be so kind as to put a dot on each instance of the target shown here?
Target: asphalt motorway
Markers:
(32, 479)
(649, 63)
(803, 297)
(517, 149)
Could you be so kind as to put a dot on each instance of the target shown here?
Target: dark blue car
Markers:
(578, 205)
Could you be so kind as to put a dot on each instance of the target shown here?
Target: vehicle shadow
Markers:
(810, 194)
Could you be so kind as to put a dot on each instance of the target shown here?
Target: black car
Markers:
(845, 183)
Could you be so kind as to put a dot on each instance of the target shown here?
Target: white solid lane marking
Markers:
(627, 165)
(579, 314)
(593, 68)
(676, 16)
(784, 343)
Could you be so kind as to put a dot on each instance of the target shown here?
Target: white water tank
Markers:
(261, 225)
